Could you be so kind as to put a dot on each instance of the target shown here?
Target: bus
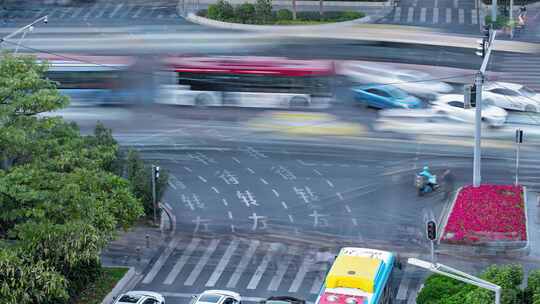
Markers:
(261, 82)
(359, 276)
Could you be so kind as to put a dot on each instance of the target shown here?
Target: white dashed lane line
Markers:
(348, 208)
(215, 190)
(291, 218)
(236, 160)
(317, 172)
(264, 181)
(284, 205)
(202, 179)
(230, 215)
(355, 223)
(339, 195)
(188, 169)
(225, 202)
(171, 185)
(275, 192)
(330, 183)
(251, 171)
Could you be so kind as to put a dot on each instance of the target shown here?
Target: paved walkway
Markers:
(533, 216)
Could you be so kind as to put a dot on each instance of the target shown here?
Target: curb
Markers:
(126, 282)
(269, 28)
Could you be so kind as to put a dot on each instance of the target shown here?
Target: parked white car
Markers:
(511, 96)
(414, 82)
(217, 297)
(453, 105)
(139, 297)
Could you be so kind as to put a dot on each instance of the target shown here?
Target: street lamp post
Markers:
(24, 30)
(458, 275)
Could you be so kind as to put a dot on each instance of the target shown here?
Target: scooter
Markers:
(422, 185)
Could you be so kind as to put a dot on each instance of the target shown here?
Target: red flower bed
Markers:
(486, 214)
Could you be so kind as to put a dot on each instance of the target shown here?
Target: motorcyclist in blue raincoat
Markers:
(432, 179)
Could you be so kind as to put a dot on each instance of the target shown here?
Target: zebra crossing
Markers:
(113, 11)
(518, 68)
(433, 15)
(255, 268)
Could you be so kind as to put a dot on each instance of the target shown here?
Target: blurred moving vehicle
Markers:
(384, 97)
(417, 83)
(139, 297)
(511, 96)
(217, 297)
(453, 106)
(262, 82)
(283, 300)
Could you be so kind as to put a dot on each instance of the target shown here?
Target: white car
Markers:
(217, 297)
(414, 82)
(453, 105)
(511, 96)
(139, 297)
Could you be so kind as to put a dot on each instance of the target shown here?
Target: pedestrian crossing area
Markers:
(433, 15)
(112, 11)
(249, 266)
(518, 68)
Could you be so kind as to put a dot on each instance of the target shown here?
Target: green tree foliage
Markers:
(60, 199)
(443, 290)
(245, 13)
(263, 11)
(532, 292)
(140, 177)
(221, 10)
(284, 14)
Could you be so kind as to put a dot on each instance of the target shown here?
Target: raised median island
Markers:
(491, 218)
(261, 13)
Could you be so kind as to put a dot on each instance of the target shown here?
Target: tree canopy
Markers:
(60, 199)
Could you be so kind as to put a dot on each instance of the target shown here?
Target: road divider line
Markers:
(243, 264)
(188, 169)
(284, 205)
(236, 160)
(202, 179)
(317, 172)
(222, 264)
(161, 261)
(230, 215)
(182, 261)
(202, 262)
(256, 278)
(330, 183)
(282, 268)
(215, 190)
(348, 208)
(171, 184)
(264, 181)
(291, 219)
(275, 192)
(225, 202)
(251, 171)
(339, 195)
(301, 274)
(354, 221)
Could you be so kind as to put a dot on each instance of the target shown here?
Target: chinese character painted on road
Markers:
(198, 222)
(319, 220)
(247, 198)
(258, 219)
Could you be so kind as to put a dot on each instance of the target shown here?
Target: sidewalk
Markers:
(533, 224)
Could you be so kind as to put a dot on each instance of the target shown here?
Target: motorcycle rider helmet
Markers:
(426, 168)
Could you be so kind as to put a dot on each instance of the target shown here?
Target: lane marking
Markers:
(243, 264)
(264, 181)
(461, 16)
(397, 14)
(473, 16)
(202, 262)
(348, 208)
(410, 15)
(423, 14)
(230, 215)
(355, 223)
(403, 287)
(182, 261)
(202, 179)
(448, 15)
(317, 172)
(118, 7)
(161, 261)
(102, 12)
(251, 171)
(188, 169)
(291, 219)
(435, 15)
(225, 202)
(215, 190)
(330, 183)
(136, 15)
(236, 160)
(171, 184)
(275, 192)
(222, 264)
(284, 205)
(282, 268)
(256, 278)
(190, 295)
(339, 195)
(301, 274)
(319, 280)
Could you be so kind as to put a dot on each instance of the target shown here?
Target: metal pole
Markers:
(154, 193)
(433, 252)
(20, 41)
(517, 163)
(477, 131)
(478, 15)
(511, 19)
(493, 11)
(498, 295)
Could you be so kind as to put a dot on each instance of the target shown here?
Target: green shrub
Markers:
(263, 11)
(350, 15)
(284, 14)
(222, 11)
(203, 12)
(245, 13)
(438, 287)
(532, 292)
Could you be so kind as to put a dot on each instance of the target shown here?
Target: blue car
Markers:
(385, 97)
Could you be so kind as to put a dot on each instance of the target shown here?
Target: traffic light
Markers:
(431, 230)
(156, 172)
(473, 96)
(481, 48)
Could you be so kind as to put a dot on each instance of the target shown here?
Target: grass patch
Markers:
(300, 22)
(104, 283)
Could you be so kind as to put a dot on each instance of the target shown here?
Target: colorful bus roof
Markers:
(358, 276)
(271, 66)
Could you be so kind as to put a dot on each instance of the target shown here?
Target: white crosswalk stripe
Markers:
(301, 274)
(423, 14)
(103, 11)
(404, 285)
(282, 269)
(242, 265)
(435, 15)
(161, 261)
(222, 265)
(410, 15)
(202, 262)
(116, 9)
(254, 281)
(182, 261)
(319, 280)
(461, 16)
(397, 14)
(448, 15)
